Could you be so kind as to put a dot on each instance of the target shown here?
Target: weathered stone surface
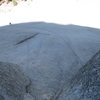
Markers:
(12, 82)
(85, 85)
(27, 96)
(1, 97)
(49, 54)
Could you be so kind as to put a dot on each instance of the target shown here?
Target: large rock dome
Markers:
(49, 54)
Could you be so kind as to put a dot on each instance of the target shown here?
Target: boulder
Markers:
(49, 54)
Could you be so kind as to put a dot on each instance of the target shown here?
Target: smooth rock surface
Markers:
(49, 54)
(12, 82)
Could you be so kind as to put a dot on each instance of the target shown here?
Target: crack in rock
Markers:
(26, 39)
(28, 87)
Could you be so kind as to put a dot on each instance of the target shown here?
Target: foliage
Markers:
(15, 2)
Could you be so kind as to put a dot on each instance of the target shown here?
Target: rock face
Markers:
(85, 85)
(12, 82)
(1, 98)
(49, 54)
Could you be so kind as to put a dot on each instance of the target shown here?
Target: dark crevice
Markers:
(24, 40)
(27, 88)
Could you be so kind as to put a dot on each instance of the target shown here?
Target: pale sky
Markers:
(79, 12)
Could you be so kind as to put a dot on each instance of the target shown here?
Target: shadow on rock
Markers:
(85, 85)
(12, 82)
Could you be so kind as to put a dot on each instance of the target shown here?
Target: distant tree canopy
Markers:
(15, 2)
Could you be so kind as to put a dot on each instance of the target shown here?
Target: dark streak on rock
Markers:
(26, 39)
(28, 86)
